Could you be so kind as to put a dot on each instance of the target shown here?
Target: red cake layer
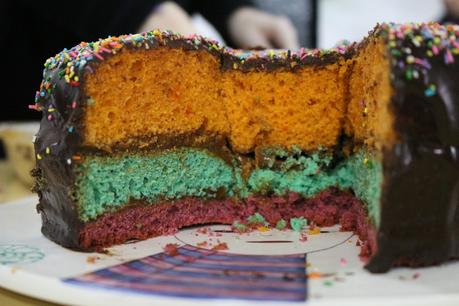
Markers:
(141, 220)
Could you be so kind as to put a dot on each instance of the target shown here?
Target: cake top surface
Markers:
(67, 68)
(435, 38)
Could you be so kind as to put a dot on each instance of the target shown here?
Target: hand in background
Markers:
(452, 7)
(169, 16)
(250, 28)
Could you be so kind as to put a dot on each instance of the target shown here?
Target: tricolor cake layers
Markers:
(145, 134)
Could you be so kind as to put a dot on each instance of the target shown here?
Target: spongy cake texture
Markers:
(108, 183)
(144, 134)
(144, 94)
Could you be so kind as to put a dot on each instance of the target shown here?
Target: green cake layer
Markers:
(107, 183)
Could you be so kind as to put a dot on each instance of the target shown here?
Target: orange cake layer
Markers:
(145, 94)
(369, 117)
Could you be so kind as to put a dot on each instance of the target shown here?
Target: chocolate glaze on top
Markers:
(420, 213)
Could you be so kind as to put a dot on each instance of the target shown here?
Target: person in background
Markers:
(452, 12)
(36, 30)
(302, 14)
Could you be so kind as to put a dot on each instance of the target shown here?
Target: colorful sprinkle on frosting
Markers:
(414, 45)
(412, 48)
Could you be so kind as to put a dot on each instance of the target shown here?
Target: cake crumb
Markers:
(205, 231)
(303, 237)
(92, 259)
(281, 224)
(343, 261)
(263, 229)
(171, 249)
(298, 224)
(314, 275)
(257, 219)
(202, 244)
(107, 252)
(221, 246)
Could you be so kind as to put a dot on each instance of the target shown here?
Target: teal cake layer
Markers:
(107, 183)
(360, 172)
(110, 182)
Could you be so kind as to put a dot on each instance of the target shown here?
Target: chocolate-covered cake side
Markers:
(407, 155)
(420, 200)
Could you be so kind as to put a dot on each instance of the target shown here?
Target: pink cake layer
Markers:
(141, 220)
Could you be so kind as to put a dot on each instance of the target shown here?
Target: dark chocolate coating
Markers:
(420, 198)
(57, 206)
(419, 206)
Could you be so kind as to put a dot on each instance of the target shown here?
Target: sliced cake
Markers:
(148, 133)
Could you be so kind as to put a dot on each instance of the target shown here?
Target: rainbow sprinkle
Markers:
(429, 40)
(411, 47)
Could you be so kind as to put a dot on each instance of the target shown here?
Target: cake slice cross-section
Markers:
(145, 134)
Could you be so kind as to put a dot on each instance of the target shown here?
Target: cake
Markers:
(148, 133)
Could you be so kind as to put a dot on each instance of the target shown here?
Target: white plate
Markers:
(32, 265)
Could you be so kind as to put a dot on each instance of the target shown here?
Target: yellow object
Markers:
(314, 231)
(263, 229)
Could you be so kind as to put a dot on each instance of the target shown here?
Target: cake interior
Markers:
(172, 140)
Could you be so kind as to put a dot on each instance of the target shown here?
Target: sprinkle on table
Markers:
(314, 275)
(314, 231)
(303, 237)
(263, 229)
(256, 218)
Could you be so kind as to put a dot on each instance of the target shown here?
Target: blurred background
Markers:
(36, 30)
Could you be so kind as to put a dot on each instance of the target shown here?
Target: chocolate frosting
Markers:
(420, 198)
(420, 213)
